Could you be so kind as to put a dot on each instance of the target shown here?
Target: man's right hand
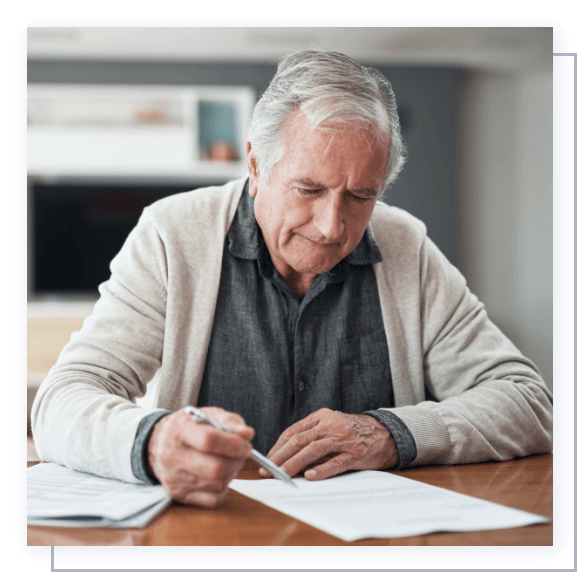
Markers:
(195, 462)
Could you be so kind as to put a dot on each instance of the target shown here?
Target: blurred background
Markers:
(120, 117)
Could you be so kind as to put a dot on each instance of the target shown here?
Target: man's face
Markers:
(318, 201)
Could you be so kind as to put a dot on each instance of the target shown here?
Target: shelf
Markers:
(130, 131)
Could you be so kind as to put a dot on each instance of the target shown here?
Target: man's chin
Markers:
(314, 268)
(320, 260)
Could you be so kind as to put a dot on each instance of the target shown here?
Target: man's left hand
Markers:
(345, 441)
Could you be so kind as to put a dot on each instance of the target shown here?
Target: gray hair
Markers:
(333, 92)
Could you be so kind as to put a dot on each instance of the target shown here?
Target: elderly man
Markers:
(320, 324)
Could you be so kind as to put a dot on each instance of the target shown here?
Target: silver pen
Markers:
(199, 416)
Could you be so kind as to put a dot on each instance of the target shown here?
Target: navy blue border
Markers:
(562, 551)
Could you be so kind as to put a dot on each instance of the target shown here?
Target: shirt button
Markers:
(301, 386)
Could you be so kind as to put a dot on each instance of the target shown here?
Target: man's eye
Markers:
(360, 199)
(308, 192)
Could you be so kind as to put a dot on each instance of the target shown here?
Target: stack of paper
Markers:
(372, 504)
(60, 497)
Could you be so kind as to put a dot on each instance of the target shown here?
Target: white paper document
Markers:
(373, 504)
(60, 497)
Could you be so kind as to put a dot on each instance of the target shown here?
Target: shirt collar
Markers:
(245, 240)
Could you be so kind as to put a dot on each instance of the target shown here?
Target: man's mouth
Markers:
(324, 243)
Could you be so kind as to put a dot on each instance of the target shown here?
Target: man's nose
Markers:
(330, 217)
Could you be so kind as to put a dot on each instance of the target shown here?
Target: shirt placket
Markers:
(304, 362)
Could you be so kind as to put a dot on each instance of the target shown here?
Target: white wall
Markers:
(506, 205)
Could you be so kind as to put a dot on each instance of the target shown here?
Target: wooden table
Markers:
(525, 484)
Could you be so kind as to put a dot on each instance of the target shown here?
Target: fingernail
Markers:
(310, 474)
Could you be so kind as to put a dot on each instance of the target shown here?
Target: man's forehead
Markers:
(331, 139)
(315, 156)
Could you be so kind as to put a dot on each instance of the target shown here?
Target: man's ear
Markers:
(253, 171)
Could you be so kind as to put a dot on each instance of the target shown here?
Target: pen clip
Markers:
(198, 416)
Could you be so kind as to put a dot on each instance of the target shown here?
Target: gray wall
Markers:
(427, 100)
(506, 201)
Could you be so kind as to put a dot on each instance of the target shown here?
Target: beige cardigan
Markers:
(156, 312)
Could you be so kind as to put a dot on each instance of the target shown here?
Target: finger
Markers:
(188, 471)
(336, 465)
(265, 473)
(181, 482)
(298, 458)
(307, 423)
(210, 440)
(243, 430)
(292, 439)
(202, 466)
(284, 449)
(183, 462)
(233, 421)
(296, 442)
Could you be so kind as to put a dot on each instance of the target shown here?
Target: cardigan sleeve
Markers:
(84, 415)
(484, 399)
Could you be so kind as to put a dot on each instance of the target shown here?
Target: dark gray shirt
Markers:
(274, 358)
